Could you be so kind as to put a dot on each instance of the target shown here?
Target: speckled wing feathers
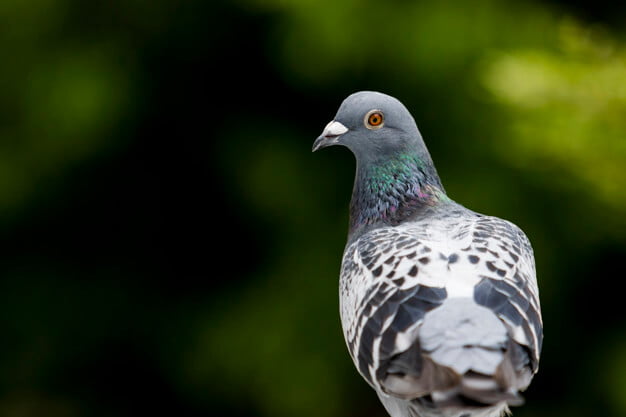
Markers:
(379, 283)
(508, 286)
(393, 276)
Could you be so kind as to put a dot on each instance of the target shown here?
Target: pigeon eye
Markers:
(374, 119)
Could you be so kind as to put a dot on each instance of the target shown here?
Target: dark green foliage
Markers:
(170, 246)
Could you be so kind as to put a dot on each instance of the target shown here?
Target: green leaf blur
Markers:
(172, 247)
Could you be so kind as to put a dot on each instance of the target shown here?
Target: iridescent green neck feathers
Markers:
(392, 190)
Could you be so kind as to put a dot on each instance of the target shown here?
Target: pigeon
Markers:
(439, 305)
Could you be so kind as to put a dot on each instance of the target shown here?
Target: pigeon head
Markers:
(373, 126)
(395, 176)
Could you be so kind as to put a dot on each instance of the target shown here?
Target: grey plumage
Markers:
(439, 304)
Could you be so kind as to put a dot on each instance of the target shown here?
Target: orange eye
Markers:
(374, 119)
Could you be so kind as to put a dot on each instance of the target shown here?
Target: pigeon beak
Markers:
(330, 135)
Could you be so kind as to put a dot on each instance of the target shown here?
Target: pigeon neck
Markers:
(392, 190)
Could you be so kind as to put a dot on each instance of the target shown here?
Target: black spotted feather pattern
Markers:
(391, 277)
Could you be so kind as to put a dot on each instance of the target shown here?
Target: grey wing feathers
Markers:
(508, 285)
(397, 314)
(379, 284)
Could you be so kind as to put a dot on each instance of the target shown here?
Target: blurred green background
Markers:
(170, 246)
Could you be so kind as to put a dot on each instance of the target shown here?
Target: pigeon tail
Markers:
(462, 357)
